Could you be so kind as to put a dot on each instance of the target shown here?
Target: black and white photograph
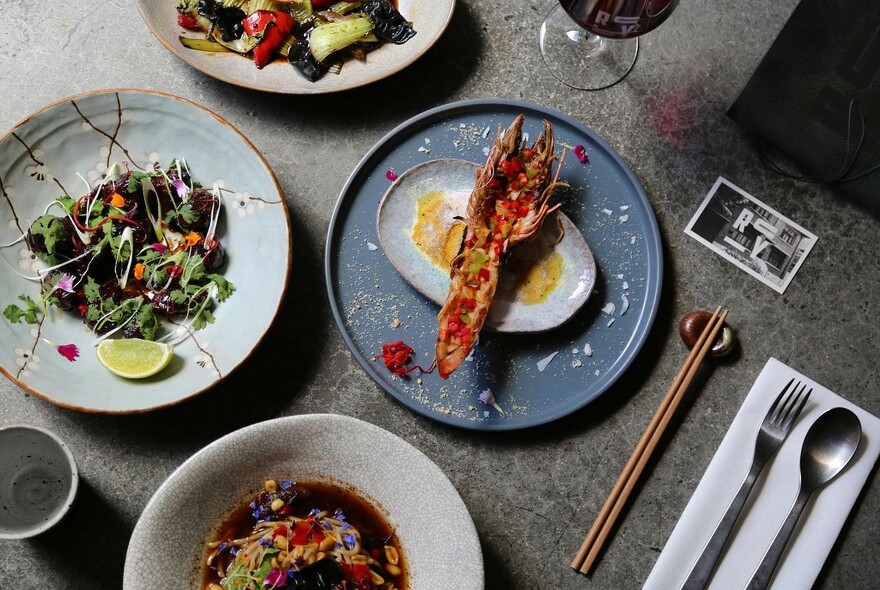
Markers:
(751, 234)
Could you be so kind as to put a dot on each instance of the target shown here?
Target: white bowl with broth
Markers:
(420, 225)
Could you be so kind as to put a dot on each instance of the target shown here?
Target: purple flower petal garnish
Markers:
(391, 175)
(65, 283)
(275, 577)
(580, 152)
(487, 397)
(180, 187)
(158, 247)
(285, 484)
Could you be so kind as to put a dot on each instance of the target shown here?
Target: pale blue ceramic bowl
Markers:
(40, 159)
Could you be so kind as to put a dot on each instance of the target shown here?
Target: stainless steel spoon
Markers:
(828, 447)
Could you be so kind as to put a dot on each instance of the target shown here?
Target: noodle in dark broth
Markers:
(275, 540)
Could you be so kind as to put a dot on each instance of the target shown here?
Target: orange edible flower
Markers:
(192, 239)
(139, 271)
(116, 200)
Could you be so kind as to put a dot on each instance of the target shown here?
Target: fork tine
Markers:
(796, 411)
(792, 402)
(772, 411)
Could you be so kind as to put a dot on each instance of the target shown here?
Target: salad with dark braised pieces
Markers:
(140, 247)
(315, 36)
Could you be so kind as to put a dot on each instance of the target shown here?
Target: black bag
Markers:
(816, 95)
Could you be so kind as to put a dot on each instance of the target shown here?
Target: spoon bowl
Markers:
(828, 448)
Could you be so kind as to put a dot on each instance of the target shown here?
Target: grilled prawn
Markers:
(507, 207)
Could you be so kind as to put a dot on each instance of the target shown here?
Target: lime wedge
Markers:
(134, 358)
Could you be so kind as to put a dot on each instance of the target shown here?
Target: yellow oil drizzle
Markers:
(541, 279)
(430, 234)
(537, 275)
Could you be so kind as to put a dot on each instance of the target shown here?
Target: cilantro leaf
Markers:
(148, 322)
(49, 230)
(92, 290)
(134, 181)
(203, 319)
(148, 255)
(184, 212)
(178, 296)
(224, 287)
(16, 314)
(67, 203)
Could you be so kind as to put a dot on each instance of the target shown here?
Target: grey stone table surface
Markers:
(534, 493)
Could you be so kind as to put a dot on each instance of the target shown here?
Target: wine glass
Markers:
(593, 44)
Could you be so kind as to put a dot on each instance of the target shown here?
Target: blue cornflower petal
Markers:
(285, 484)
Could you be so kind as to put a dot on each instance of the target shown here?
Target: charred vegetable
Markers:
(312, 34)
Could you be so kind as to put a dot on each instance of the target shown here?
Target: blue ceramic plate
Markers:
(535, 378)
(40, 159)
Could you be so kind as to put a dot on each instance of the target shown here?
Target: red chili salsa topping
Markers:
(513, 190)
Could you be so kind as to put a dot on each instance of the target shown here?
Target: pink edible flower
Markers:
(275, 578)
(580, 152)
(391, 175)
(68, 351)
(158, 247)
(65, 283)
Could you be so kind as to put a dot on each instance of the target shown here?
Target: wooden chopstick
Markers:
(595, 539)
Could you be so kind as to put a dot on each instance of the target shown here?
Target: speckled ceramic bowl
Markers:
(436, 532)
(40, 159)
(38, 481)
(429, 20)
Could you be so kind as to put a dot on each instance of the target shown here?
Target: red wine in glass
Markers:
(592, 44)
(619, 19)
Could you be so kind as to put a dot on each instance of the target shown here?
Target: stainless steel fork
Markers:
(778, 422)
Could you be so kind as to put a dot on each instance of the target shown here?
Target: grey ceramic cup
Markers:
(38, 481)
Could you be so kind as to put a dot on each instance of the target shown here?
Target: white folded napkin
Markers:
(771, 498)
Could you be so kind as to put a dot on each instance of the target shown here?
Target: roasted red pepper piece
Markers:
(187, 21)
(273, 27)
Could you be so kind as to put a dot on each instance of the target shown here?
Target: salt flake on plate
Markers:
(611, 321)
(486, 132)
(485, 151)
(607, 211)
(588, 350)
(625, 305)
(609, 308)
(371, 246)
(624, 218)
(575, 363)
(624, 207)
(542, 364)
(625, 285)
